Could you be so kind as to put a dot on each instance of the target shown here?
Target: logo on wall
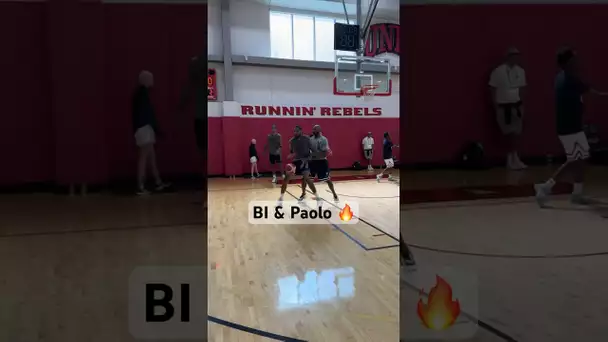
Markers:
(383, 38)
(309, 111)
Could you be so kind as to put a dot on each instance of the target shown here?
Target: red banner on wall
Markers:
(309, 111)
(383, 38)
(211, 85)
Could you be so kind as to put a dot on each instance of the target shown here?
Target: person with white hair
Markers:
(507, 84)
(145, 130)
(253, 159)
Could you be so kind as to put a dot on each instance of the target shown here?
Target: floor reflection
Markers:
(316, 287)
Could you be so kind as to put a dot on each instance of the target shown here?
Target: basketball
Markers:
(290, 168)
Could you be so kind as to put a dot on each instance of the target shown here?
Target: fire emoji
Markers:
(440, 311)
(346, 214)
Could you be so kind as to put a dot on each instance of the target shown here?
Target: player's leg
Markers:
(368, 156)
(160, 185)
(303, 186)
(389, 169)
(323, 173)
(273, 167)
(142, 163)
(517, 131)
(288, 176)
(306, 176)
(389, 165)
(577, 152)
(252, 162)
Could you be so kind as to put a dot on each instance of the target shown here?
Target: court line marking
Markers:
(488, 327)
(360, 219)
(252, 331)
(508, 256)
(359, 243)
(370, 197)
(103, 229)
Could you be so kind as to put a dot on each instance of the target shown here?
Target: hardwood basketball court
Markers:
(310, 282)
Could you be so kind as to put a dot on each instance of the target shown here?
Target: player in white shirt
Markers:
(507, 83)
(368, 150)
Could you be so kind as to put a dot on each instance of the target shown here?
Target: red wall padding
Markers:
(26, 136)
(450, 52)
(69, 68)
(344, 135)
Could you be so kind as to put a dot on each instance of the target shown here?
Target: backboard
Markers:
(349, 81)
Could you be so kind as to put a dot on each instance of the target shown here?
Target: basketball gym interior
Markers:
(72, 229)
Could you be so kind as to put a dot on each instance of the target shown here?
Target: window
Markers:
(324, 40)
(281, 36)
(303, 37)
(294, 36)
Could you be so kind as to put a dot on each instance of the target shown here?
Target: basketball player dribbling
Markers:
(299, 147)
(569, 91)
(273, 146)
(319, 166)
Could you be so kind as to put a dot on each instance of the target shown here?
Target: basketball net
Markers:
(368, 91)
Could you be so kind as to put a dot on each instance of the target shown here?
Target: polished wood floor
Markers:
(65, 262)
(311, 282)
(527, 274)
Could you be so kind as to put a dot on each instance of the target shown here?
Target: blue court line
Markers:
(360, 219)
(252, 330)
(359, 243)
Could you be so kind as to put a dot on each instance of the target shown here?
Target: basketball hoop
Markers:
(369, 91)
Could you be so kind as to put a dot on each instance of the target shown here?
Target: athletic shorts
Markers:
(275, 159)
(575, 145)
(320, 169)
(510, 118)
(199, 133)
(145, 136)
(390, 163)
(368, 154)
(301, 166)
(253, 159)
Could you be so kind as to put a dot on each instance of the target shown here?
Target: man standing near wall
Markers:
(273, 146)
(368, 150)
(507, 83)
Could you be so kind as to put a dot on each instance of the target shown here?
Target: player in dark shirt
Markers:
(387, 155)
(300, 148)
(569, 110)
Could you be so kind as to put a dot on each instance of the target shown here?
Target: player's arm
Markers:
(523, 86)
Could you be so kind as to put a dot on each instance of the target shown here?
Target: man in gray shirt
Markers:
(273, 146)
(300, 149)
(319, 166)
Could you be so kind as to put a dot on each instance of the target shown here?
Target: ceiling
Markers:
(386, 9)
